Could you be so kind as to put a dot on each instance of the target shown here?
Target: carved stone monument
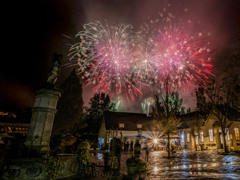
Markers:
(44, 110)
(43, 113)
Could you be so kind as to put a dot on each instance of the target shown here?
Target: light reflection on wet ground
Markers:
(185, 165)
(193, 165)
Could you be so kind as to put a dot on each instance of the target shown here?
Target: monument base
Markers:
(43, 114)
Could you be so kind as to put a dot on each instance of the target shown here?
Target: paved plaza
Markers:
(186, 164)
(194, 165)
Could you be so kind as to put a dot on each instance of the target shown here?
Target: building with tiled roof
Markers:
(127, 126)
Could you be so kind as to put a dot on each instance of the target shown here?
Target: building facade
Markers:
(209, 135)
(128, 127)
(191, 135)
(10, 123)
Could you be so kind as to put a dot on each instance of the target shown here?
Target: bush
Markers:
(51, 166)
(132, 159)
(141, 166)
(3, 152)
(84, 161)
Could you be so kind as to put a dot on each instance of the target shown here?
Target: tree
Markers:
(195, 124)
(222, 95)
(70, 105)
(220, 100)
(202, 105)
(166, 114)
(199, 116)
(232, 76)
(98, 104)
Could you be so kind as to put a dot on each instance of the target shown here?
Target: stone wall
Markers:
(32, 168)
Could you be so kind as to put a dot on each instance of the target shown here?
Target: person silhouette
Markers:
(137, 149)
(147, 153)
(127, 146)
(131, 146)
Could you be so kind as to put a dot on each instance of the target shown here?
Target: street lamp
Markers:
(155, 141)
(155, 170)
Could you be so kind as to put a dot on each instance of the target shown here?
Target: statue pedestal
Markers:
(43, 113)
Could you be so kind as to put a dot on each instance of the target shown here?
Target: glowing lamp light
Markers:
(155, 169)
(155, 141)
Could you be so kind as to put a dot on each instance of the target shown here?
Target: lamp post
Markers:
(155, 141)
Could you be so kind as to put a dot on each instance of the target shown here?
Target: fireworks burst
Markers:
(117, 61)
(172, 55)
(179, 58)
(104, 56)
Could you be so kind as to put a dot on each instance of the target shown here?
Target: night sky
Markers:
(34, 30)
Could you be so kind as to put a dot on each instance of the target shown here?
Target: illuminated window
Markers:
(221, 139)
(236, 130)
(121, 125)
(188, 137)
(201, 136)
(227, 131)
(196, 139)
(9, 129)
(210, 135)
(139, 126)
(182, 138)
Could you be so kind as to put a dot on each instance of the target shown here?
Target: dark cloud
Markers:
(34, 30)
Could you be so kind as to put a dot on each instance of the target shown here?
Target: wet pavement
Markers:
(193, 165)
(186, 164)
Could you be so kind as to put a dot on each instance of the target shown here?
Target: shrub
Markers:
(51, 166)
(84, 161)
(141, 165)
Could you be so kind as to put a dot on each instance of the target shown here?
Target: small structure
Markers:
(38, 138)
(127, 126)
(44, 110)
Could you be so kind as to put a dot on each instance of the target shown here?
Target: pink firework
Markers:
(174, 56)
(180, 58)
(104, 58)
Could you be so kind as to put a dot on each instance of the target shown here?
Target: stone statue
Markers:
(54, 73)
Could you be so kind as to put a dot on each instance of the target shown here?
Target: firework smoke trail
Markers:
(104, 58)
(146, 105)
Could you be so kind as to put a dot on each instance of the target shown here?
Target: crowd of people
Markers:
(128, 146)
